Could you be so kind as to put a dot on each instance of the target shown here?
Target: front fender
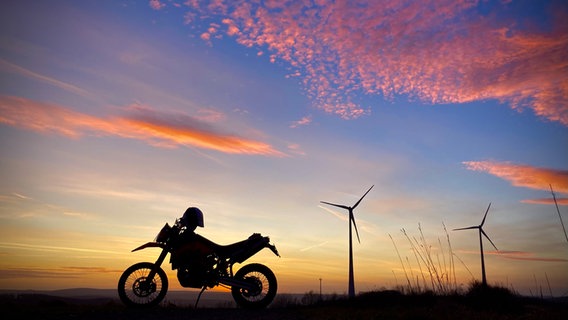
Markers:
(151, 245)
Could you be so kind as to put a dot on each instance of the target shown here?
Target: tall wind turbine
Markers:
(480, 228)
(351, 221)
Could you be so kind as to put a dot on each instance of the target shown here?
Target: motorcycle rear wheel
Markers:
(265, 286)
(135, 290)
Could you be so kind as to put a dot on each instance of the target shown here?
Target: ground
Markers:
(375, 305)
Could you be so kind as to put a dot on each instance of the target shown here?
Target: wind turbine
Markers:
(480, 228)
(351, 220)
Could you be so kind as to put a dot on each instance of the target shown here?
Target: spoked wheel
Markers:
(135, 289)
(264, 286)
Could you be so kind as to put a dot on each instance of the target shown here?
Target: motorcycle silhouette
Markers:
(200, 264)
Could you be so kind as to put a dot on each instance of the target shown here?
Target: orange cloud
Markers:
(158, 129)
(440, 51)
(524, 175)
(559, 201)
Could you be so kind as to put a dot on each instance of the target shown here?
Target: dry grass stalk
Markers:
(436, 266)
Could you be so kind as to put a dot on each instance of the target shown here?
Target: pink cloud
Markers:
(141, 123)
(524, 175)
(296, 149)
(156, 4)
(302, 122)
(439, 51)
(232, 29)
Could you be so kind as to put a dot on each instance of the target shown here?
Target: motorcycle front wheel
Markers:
(265, 286)
(135, 289)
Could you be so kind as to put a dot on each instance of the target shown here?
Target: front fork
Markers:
(157, 265)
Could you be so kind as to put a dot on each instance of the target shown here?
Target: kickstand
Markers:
(199, 296)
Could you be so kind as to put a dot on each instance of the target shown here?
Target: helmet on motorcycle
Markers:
(192, 218)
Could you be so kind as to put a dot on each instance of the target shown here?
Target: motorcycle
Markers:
(253, 286)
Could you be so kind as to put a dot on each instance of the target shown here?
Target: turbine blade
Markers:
(485, 216)
(336, 205)
(466, 228)
(486, 236)
(355, 206)
(355, 225)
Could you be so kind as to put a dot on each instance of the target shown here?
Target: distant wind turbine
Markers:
(480, 228)
(351, 220)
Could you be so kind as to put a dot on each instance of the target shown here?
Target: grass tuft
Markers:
(433, 267)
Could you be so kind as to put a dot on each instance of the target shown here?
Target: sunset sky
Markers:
(115, 116)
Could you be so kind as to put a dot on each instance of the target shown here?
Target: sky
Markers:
(116, 116)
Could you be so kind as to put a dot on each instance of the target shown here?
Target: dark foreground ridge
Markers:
(371, 305)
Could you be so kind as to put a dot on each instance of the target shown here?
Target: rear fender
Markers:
(267, 244)
(273, 249)
(150, 245)
(254, 244)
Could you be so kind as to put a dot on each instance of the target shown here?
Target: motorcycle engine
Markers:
(191, 276)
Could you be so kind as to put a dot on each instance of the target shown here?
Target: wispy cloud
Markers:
(302, 122)
(526, 176)
(343, 217)
(439, 51)
(35, 207)
(44, 248)
(21, 196)
(560, 201)
(523, 255)
(296, 149)
(362, 224)
(63, 272)
(13, 68)
(314, 246)
(141, 123)
(516, 255)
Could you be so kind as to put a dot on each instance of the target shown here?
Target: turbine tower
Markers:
(480, 228)
(351, 221)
